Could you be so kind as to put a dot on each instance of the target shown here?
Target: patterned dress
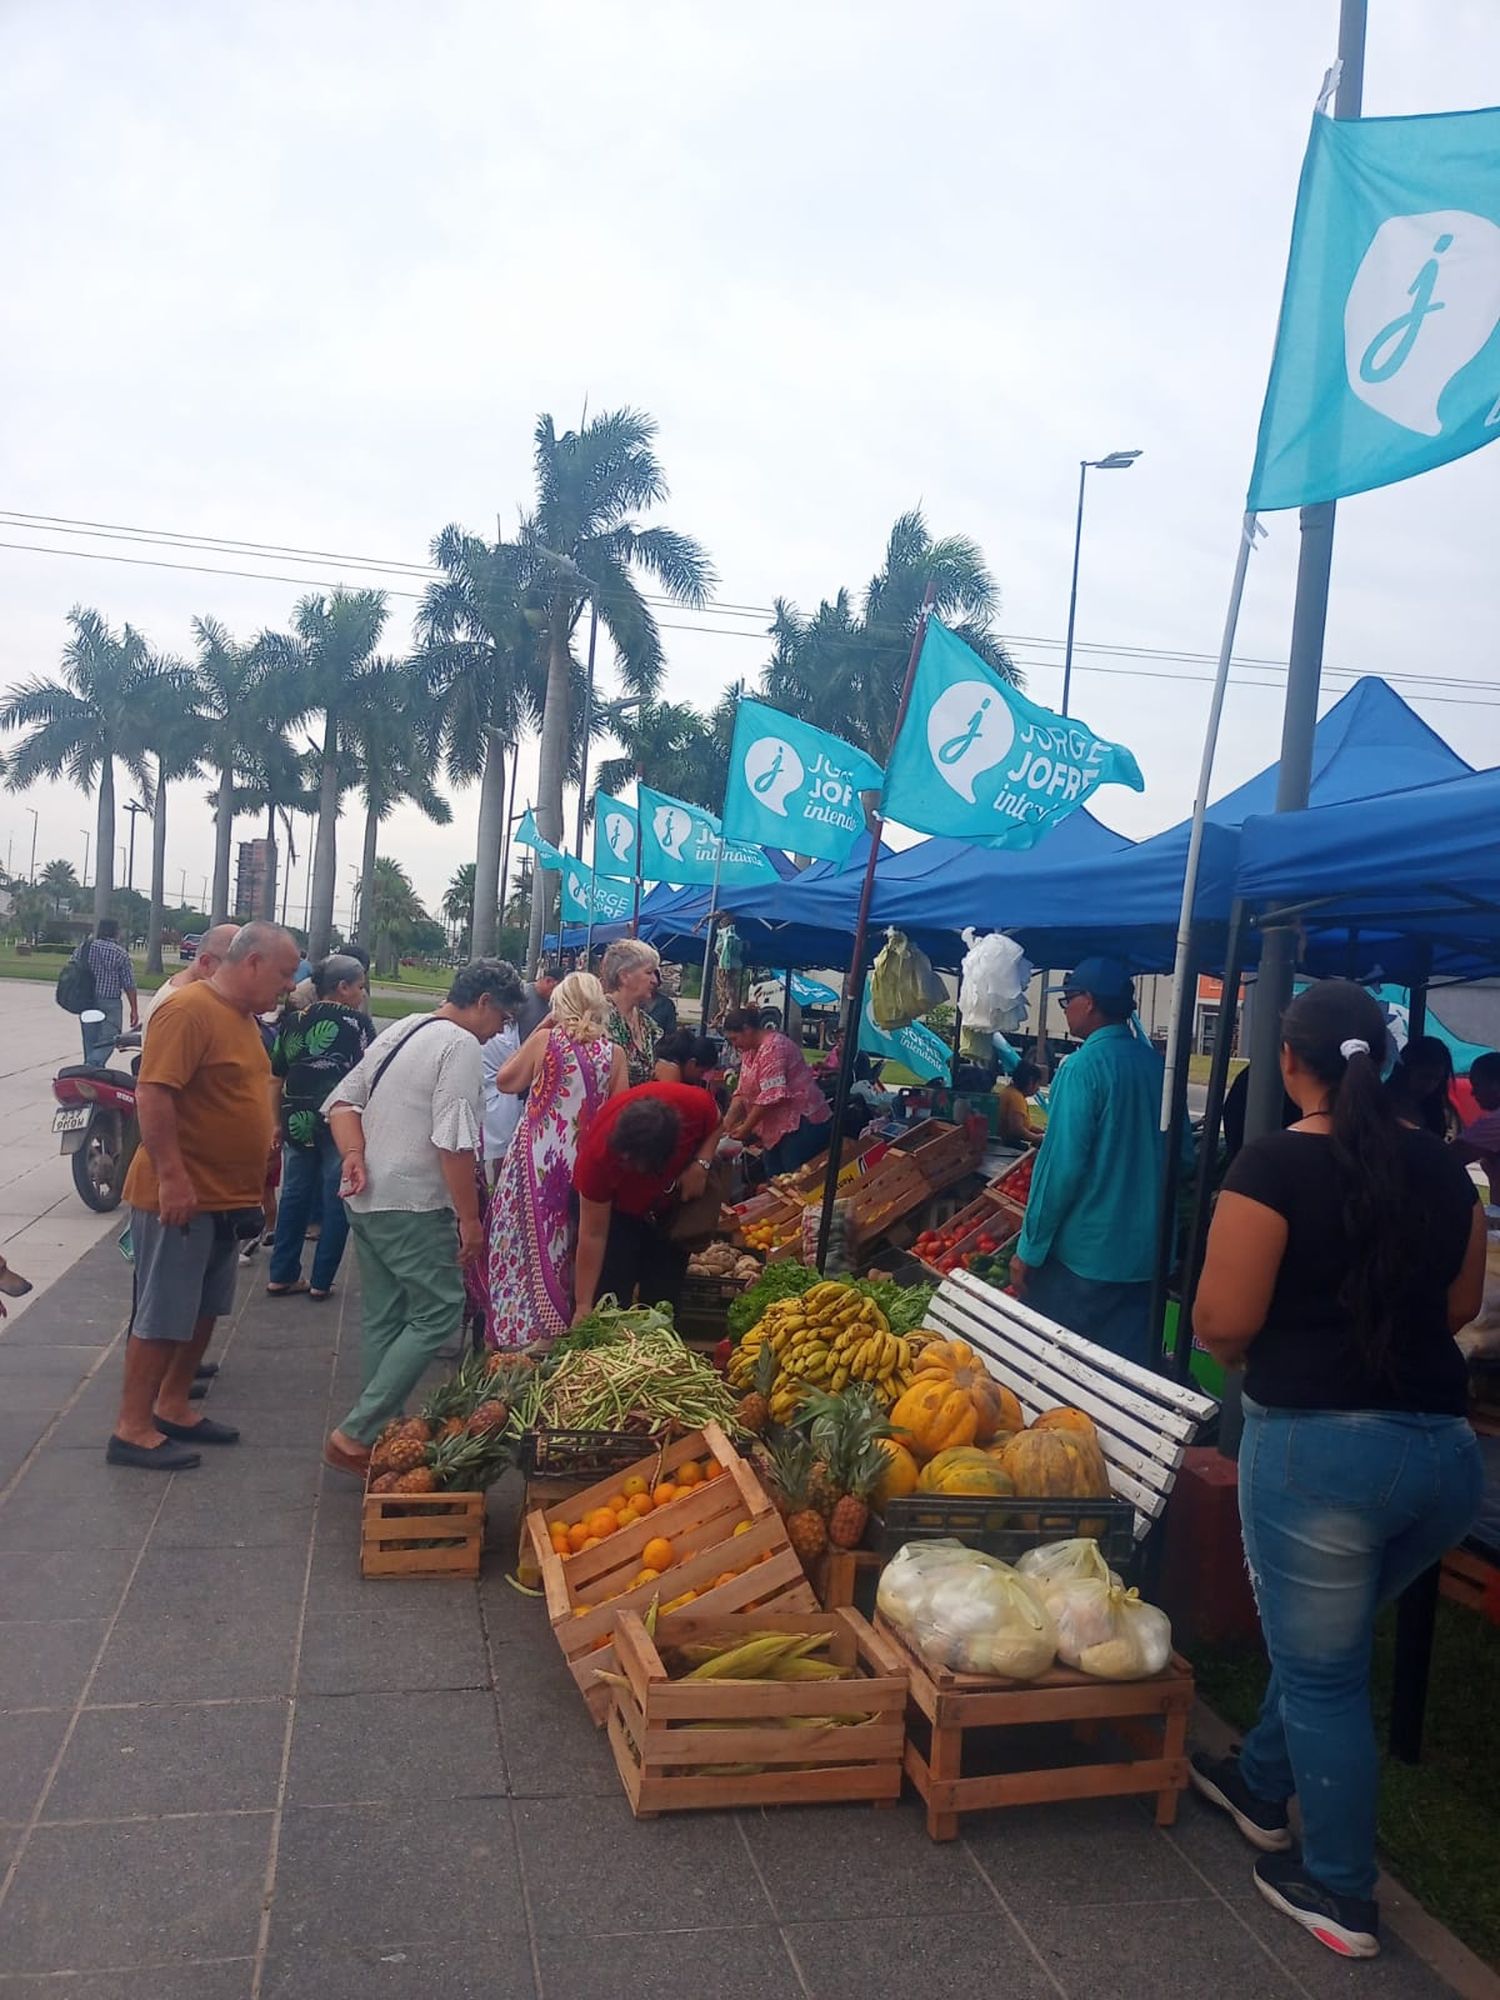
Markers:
(638, 1039)
(531, 1232)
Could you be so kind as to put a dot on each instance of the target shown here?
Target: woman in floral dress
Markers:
(568, 1068)
(630, 972)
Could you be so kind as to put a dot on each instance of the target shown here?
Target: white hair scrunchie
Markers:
(1353, 1047)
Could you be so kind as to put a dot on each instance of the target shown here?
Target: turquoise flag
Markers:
(616, 837)
(795, 787)
(680, 843)
(590, 898)
(915, 1046)
(547, 855)
(812, 992)
(1387, 356)
(978, 761)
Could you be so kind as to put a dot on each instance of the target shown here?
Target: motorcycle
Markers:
(96, 1122)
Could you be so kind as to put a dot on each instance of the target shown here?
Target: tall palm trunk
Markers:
(158, 871)
(486, 915)
(267, 908)
(218, 912)
(104, 841)
(325, 849)
(553, 770)
(366, 928)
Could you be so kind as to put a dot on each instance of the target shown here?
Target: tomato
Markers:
(988, 1243)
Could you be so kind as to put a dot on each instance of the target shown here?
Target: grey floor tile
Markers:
(393, 1748)
(137, 1892)
(171, 1758)
(210, 1652)
(80, 1583)
(1051, 1854)
(225, 1980)
(67, 1500)
(934, 1956)
(44, 1663)
(90, 1417)
(365, 1873)
(859, 1860)
(19, 1431)
(1397, 1974)
(42, 1361)
(552, 1749)
(692, 1865)
(213, 1584)
(481, 1969)
(28, 1745)
(252, 1499)
(1194, 1951)
(749, 1964)
(77, 1318)
(394, 1643)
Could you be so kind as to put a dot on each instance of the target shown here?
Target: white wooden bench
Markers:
(1145, 1422)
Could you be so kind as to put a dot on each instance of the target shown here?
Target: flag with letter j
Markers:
(795, 787)
(589, 898)
(683, 843)
(617, 839)
(1387, 356)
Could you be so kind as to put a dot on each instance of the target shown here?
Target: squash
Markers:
(1056, 1465)
(1062, 1418)
(900, 1476)
(964, 1470)
(954, 1361)
(932, 1415)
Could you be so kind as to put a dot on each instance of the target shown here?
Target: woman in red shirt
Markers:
(643, 1151)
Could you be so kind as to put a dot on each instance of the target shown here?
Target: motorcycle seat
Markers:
(97, 1073)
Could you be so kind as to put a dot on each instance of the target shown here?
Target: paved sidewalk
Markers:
(230, 1770)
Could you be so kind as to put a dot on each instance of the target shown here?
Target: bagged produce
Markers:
(1075, 1561)
(1105, 1630)
(967, 1611)
(993, 982)
(903, 985)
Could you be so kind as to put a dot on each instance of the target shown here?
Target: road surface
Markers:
(44, 1226)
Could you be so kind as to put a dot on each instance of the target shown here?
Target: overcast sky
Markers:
(306, 273)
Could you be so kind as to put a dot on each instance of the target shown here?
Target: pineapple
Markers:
(754, 1411)
(385, 1482)
(450, 1427)
(792, 1458)
(491, 1415)
(404, 1449)
(421, 1479)
(845, 1430)
(822, 1487)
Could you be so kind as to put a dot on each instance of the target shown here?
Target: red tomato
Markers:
(987, 1243)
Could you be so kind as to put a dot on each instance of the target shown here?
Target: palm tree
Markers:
(278, 780)
(668, 745)
(586, 549)
(479, 650)
(844, 671)
(228, 700)
(458, 899)
(396, 722)
(177, 736)
(79, 726)
(395, 908)
(61, 884)
(320, 664)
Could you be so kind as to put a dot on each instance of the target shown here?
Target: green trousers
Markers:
(413, 1300)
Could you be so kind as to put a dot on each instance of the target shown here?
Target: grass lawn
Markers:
(45, 966)
(1440, 1819)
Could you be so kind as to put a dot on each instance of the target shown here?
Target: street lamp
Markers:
(1115, 461)
(134, 808)
(33, 811)
(87, 837)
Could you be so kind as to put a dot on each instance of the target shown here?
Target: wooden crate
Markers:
(891, 1190)
(660, 1729)
(987, 1215)
(422, 1534)
(1473, 1581)
(586, 1594)
(1147, 1721)
(945, 1152)
(837, 1574)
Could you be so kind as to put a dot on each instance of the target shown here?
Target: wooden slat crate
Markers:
(838, 1574)
(892, 1190)
(422, 1534)
(661, 1729)
(586, 1594)
(1147, 1721)
(943, 1151)
(1472, 1580)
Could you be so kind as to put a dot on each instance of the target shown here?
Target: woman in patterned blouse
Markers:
(629, 976)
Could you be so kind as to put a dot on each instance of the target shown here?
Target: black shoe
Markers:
(205, 1431)
(163, 1457)
(198, 1391)
(1263, 1822)
(205, 1371)
(1348, 1925)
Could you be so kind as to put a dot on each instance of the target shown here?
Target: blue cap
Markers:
(1106, 979)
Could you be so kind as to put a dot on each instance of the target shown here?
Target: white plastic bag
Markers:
(967, 1611)
(992, 986)
(1107, 1631)
(1066, 1562)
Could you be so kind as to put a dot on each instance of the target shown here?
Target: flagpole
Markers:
(706, 990)
(854, 985)
(635, 912)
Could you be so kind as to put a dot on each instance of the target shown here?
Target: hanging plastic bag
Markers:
(903, 985)
(967, 1611)
(1057, 1563)
(993, 983)
(1105, 1630)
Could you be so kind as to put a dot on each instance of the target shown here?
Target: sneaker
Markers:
(1348, 1925)
(1263, 1822)
(248, 1250)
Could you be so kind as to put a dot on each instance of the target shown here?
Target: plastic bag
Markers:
(1066, 1562)
(1105, 1630)
(992, 985)
(903, 985)
(967, 1611)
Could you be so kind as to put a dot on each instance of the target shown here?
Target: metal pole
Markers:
(1083, 473)
(706, 990)
(854, 986)
(635, 911)
(588, 724)
(513, 751)
(1208, 1141)
(33, 811)
(1174, 1113)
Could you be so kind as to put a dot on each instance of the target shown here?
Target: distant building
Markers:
(250, 878)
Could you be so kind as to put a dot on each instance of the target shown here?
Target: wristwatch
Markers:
(707, 1165)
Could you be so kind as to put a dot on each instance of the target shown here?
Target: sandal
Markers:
(286, 1291)
(314, 1293)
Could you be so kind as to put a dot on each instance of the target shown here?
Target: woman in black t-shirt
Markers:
(1345, 1254)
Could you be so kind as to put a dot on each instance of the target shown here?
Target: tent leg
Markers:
(1166, 1227)
(1416, 1013)
(1208, 1143)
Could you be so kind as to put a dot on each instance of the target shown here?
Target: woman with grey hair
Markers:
(628, 975)
(315, 1050)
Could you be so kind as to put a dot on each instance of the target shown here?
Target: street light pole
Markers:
(588, 725)
(133, 807)
(33, 811)
(1114, 461)
(87, 838)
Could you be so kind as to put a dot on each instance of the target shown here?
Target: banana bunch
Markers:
(829, 1337)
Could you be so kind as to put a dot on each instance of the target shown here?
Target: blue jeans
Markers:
(803, 1143)
(309, 1174)
(1340, 1512)
(99, 1037)
(1116, 1316)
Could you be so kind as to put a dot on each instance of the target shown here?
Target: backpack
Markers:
(76, 991)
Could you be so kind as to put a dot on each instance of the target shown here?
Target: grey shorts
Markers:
(181, 1276)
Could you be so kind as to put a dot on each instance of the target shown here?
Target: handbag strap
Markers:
(406, 1041)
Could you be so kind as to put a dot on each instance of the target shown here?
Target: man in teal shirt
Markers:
(1089, 1241)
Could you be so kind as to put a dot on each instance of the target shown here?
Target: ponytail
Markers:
(1337, 1033)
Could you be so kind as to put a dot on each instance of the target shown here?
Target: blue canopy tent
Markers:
(672, 919)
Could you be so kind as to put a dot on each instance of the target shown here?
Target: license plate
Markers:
(72, 1119)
